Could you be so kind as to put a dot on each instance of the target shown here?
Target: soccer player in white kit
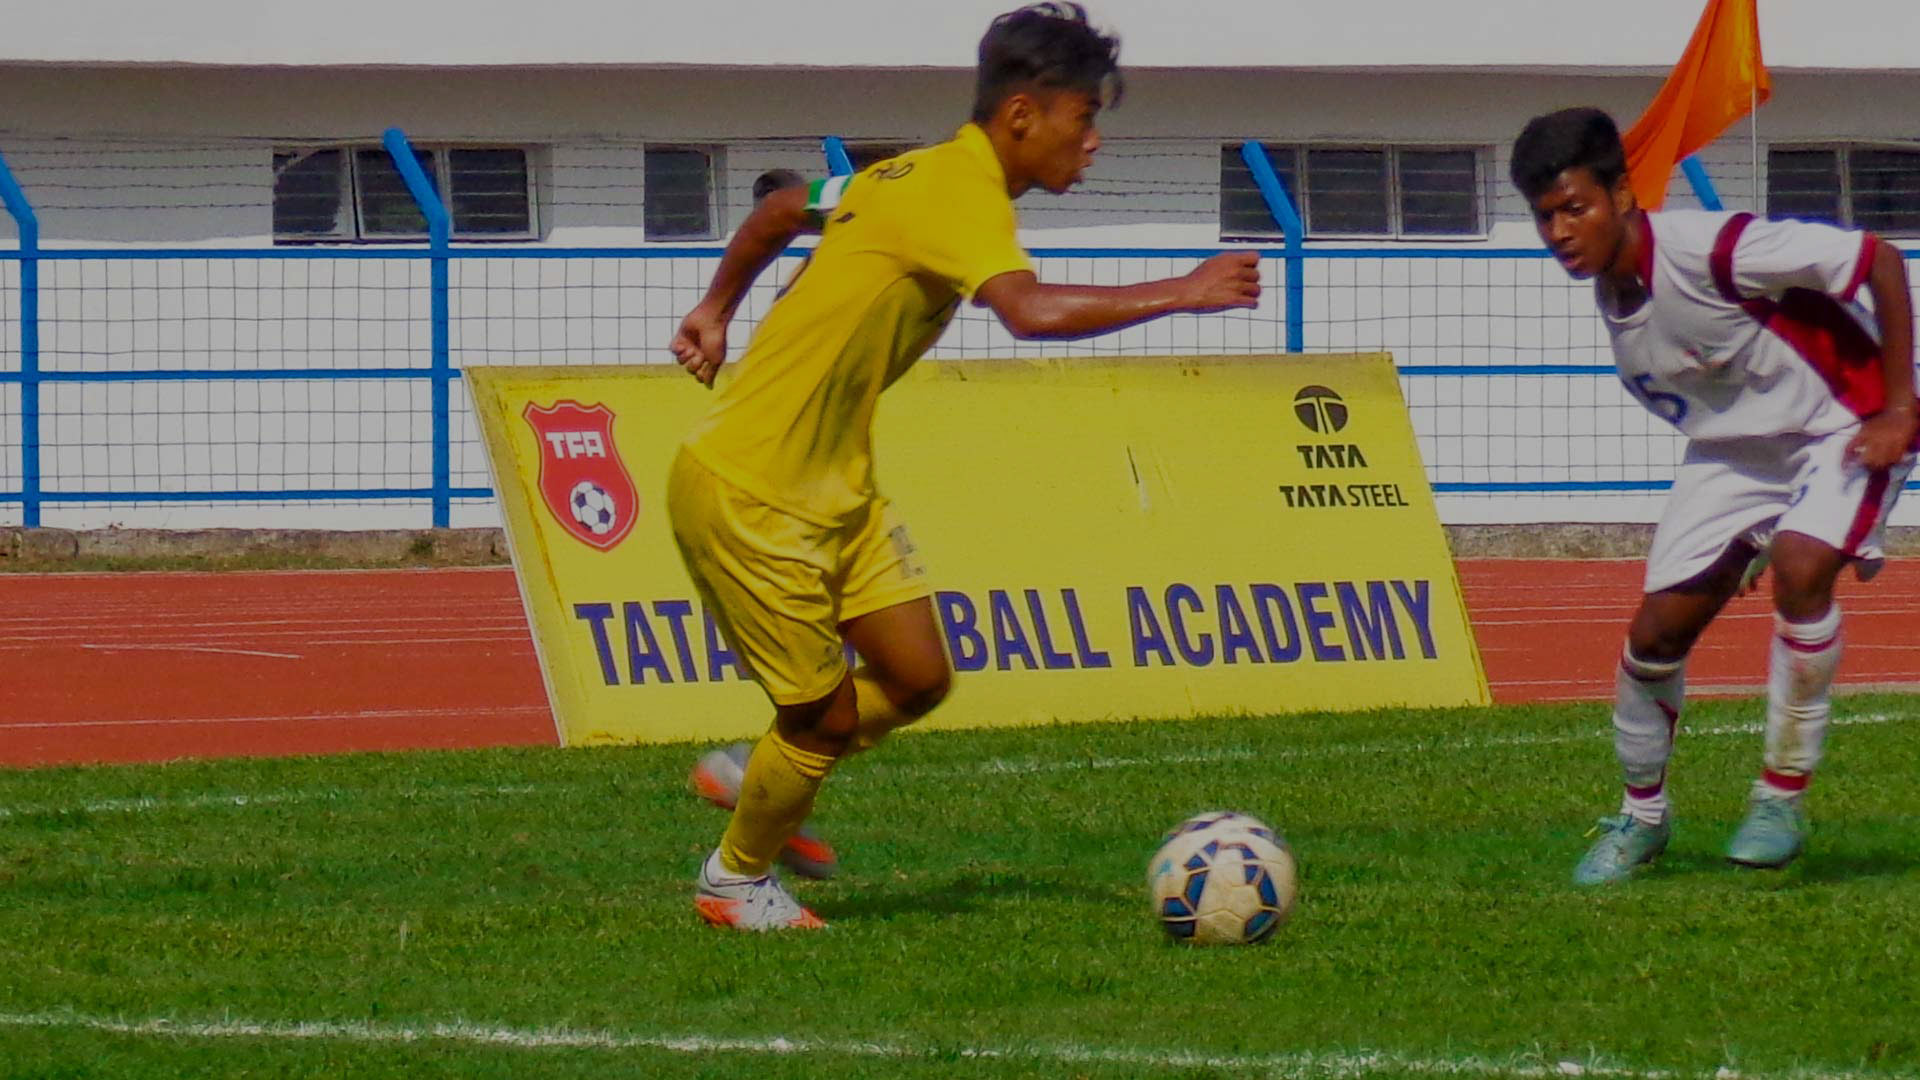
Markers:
(1798, 406)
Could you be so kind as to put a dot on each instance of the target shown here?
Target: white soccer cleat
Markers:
(756, 904)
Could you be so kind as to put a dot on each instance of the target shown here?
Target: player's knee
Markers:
(826, 725)
(1801, 593)
(925, 692)
(1659, 644)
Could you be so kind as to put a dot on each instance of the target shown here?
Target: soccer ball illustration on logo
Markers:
(593, 508)
(1221, 879)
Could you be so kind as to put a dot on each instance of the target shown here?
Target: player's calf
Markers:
(717, 777)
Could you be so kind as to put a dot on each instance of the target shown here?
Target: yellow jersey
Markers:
(902, 243)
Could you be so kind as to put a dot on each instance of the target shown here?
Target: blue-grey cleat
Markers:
(1771, 837)
(1625, 845)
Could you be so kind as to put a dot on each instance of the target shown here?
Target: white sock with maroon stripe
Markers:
(1646, 709)
(1803, 660)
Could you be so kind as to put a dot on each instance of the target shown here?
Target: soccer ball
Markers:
(593, 507)
(1221, 879)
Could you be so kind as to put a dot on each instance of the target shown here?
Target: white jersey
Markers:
(1751, 328)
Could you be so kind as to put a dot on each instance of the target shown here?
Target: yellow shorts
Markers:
(780, 587)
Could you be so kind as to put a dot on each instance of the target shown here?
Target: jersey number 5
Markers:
(1667, 406)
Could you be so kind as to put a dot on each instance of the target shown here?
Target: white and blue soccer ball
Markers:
(593, 507)
(1222, 878)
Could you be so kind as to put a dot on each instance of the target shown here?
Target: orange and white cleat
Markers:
(717, 778)
(754, 904)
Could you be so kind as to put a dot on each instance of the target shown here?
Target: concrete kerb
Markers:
(71, 549)
(59, 549)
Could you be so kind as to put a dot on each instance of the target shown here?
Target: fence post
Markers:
(838, 164)
(27, 224)
(1281, 207)
(439, 230)
(1702, 183)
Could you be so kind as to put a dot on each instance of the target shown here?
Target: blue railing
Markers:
(439, 372)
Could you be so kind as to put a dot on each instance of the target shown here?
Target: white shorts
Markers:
(1749, 489)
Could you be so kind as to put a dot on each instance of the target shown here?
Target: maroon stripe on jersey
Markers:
(1868, 513)
(1844, 355)
(1783, 781)
(1646, 792)
(1720, 262)
(1869, 244)
(1827, 337)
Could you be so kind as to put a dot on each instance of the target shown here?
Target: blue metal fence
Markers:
(34, 378)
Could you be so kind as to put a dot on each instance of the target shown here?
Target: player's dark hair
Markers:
(1581, 138)
(774, 180)
(1045, 46)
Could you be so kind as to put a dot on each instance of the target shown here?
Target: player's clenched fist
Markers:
(1230, 280)
(701, 344)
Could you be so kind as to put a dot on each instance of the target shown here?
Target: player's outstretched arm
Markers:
(1031, 309)
(1887, 435)
(701, 344)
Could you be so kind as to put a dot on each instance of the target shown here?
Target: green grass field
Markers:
(527, 913)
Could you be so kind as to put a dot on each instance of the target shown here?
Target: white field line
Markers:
(148, 804)
(988, 767)
(1025, 766)
(1301, 1065)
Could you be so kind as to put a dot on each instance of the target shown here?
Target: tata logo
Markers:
(1320, 409)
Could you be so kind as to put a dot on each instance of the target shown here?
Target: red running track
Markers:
(151, 667)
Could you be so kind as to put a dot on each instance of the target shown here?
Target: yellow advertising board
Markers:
(1108, 538)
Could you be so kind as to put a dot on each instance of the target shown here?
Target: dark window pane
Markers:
(489, 191)
(308, 194)
(1804, 184)
(678, 197)
(1243, 211)
(862, 155)
(387, 208)
(1886, 189)
(1347, 192)
(1439, 192)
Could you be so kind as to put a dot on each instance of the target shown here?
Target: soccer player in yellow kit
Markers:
(772, 495)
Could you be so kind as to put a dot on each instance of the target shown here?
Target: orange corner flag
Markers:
(1717, 81)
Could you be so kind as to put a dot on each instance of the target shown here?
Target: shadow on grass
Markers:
(1815, 866)
(959, 894)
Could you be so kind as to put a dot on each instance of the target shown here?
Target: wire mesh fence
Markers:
(264, 383)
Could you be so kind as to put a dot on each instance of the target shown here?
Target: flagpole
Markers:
(1753, 136)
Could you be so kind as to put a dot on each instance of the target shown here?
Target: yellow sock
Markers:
(775, 797)
(878, 714)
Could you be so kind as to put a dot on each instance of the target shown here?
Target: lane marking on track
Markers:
(190, 648)
(477, 712)
(1304, 1065)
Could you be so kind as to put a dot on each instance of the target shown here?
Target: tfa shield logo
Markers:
(584, 483)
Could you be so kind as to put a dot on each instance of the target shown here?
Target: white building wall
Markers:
(1234, 34)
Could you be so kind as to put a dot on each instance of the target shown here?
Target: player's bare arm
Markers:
(1886, 436)
(701, 344)
(1031, 309)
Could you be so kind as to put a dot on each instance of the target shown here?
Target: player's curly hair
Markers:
(1579, 138)
(1047, 46)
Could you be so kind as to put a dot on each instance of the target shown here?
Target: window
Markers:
(1342, 191)
(355, 193)
(1862, 187)
(862, 155)
(678, 202)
